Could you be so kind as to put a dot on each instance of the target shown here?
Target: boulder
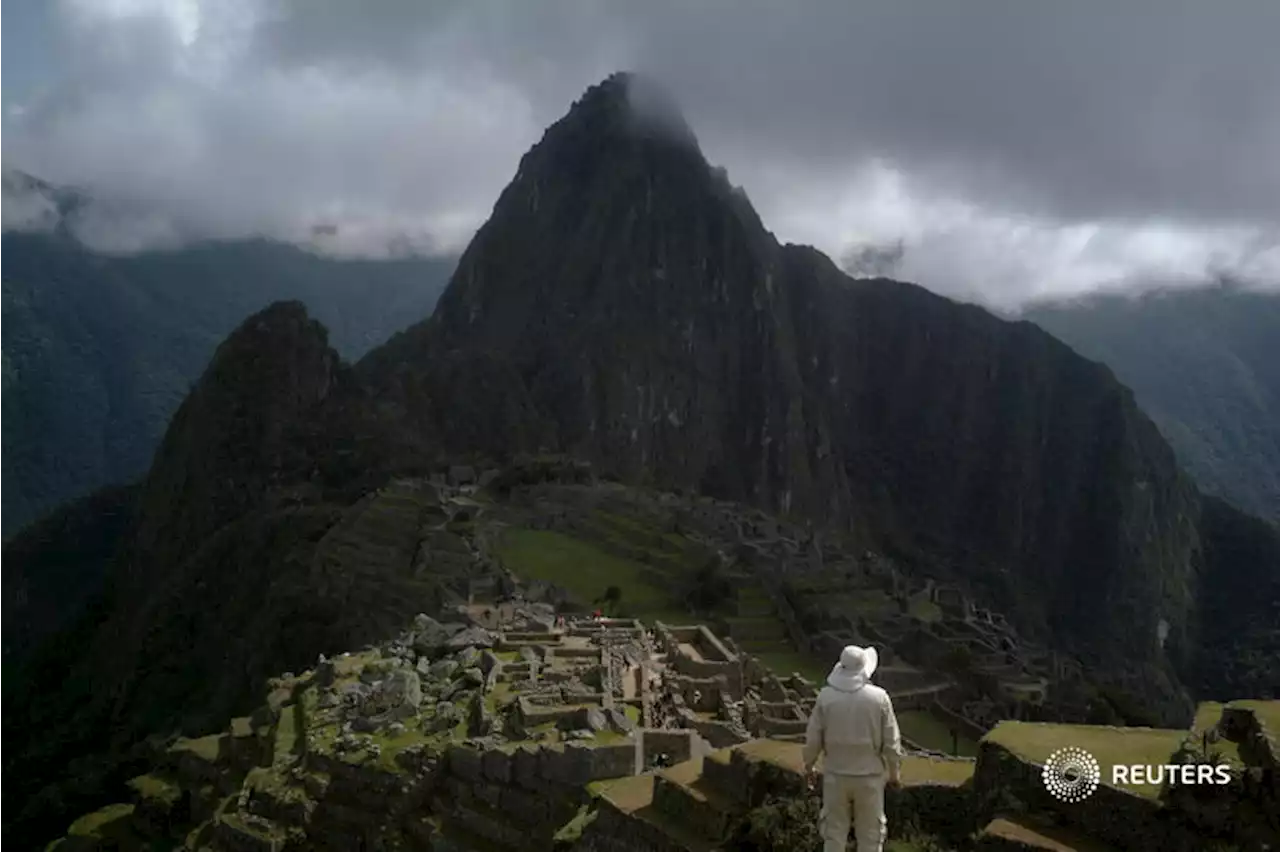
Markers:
(443, 669)
(353, 693)
(446, 717)
(404, 690)
(468, 657)
(475, 637)
(596, 719)
(365, 724)
(428, 634)
(457, 690)
(619, 721)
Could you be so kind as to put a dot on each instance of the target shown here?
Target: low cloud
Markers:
(1013, 153)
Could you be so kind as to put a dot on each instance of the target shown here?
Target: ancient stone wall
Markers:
(614, 831)
(965, 726)
(678, 746)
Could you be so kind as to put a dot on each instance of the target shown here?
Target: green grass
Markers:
(627, 794)
(783, 660)
(925, 770)
(572, 830)
(101, 822)
(390, 745)
(498, 697)
(1109, 746)
(925, 610)
(156, 789)
(930, 732)
(1037, 833)
(585, 571)
(206, 748)
(286, 740)
(608, 737)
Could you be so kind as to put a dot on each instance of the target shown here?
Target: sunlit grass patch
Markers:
(1035, 742)
(585, 571)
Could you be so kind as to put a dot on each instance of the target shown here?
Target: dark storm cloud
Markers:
(1015, 149)
(1081, 109)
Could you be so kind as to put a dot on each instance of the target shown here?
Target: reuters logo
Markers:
(1071, 774)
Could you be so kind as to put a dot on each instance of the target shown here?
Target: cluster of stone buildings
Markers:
(940, 651)
(508, 723)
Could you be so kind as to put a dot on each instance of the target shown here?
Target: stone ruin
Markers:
(503, 723)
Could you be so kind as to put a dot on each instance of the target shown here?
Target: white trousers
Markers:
(860, 797)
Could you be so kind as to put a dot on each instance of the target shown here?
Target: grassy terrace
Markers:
(206, 748)
(101, 823)
(157, 789)
(649, 592)
(1110, 746)
(585, 571)
(785, 661)
(930, 732)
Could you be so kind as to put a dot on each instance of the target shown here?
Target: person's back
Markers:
(854, 728)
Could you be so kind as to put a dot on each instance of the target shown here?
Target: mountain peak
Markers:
(625, 106)
(238, 431)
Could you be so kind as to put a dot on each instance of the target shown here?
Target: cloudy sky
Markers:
(1014, 149)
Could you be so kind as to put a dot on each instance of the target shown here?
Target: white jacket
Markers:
(856, 730)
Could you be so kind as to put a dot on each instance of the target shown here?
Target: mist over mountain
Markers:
(1205, 365)
(100, 349)
(625, 305)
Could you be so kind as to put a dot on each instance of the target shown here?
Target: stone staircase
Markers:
(755, 626)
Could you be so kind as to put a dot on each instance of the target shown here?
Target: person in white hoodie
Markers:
(854, 729)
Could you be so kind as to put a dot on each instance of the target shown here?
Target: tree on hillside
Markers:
(711, 586)
(611, 599)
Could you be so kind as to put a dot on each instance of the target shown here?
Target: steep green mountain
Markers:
(100, 350)
(60, 565)
(628, 296)
(625, 305)
(1205, 365)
